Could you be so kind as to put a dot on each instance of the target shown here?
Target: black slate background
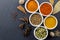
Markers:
(9, 29)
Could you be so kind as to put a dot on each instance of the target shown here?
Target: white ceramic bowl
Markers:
(54, 26)
(30, 11)
(37, 37)
(43, 10)
(40, 22)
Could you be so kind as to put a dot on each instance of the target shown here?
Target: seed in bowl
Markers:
(36, 19)
(40, 32)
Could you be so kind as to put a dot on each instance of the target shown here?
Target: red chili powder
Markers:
(45, 8)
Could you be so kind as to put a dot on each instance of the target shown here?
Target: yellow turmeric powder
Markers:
(50, 22)
(32, 5)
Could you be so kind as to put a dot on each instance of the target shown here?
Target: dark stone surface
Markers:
(9, 29)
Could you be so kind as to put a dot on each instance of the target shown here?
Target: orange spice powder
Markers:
(32, 5)
(45, 8)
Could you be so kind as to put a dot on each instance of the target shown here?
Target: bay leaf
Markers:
(56, 8)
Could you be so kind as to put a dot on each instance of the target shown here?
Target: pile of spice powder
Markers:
(36, 19)
(32, 5)
(46, 9)
(50, 22)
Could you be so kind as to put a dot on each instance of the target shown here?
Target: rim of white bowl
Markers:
(40, 22)
(54, 26)
(49, 4)
(30, 11)
(39, 38)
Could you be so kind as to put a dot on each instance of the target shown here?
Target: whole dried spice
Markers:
(52, 34)
(25, 19)
(25, 26)
(21, 26)
(22, 19)
(21, 8)
(55, 33)
(27, 31)
(52, 1)
(56, 7)
(21, 1)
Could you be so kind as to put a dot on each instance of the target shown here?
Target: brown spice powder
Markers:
(36, 19)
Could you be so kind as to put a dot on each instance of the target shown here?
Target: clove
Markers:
(27, 31)
(25, 19)
(21, 26)
(22, 19)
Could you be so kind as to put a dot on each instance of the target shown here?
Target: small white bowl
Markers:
(43, 10)
(30, 11)
(31, 22)
(37, 37)
(54, 26)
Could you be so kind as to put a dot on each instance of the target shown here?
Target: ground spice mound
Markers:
(36, 19)
(45, 8)
(50, 22)
(32, 6)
